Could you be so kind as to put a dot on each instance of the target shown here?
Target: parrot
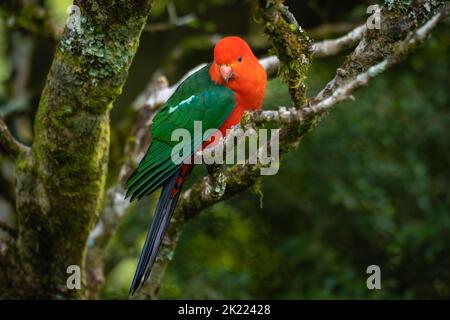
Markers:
(218, 95)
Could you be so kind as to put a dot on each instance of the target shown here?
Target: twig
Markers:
(9, 144)
(329, 48)
(174, 20)
(179, 22)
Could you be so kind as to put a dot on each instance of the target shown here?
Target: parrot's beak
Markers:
(226, 72)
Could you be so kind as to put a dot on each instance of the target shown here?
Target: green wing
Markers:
(196, 99)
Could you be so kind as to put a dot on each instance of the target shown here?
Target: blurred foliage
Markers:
(368, 186)
(58, 10)
(4, 65)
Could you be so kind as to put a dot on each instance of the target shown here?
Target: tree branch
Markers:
(9, 144)
(290, 44)
(174, 20)
(329, 48)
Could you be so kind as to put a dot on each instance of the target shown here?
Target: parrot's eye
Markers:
(239, 59)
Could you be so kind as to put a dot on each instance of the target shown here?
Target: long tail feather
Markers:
(164, 210)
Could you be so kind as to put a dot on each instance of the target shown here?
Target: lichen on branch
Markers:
(60, 187)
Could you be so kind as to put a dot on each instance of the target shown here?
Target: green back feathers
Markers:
(196, 99)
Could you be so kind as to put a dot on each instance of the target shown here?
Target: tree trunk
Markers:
(60, 183)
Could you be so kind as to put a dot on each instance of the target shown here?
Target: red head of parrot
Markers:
(236, 67)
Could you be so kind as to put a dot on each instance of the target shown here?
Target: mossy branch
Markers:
(291, 44)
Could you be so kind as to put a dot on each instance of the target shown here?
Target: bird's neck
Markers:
(244, 102)
(249, 100)
(249, 89)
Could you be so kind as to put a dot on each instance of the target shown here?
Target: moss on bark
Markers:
(60, 186)
(291, 44)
